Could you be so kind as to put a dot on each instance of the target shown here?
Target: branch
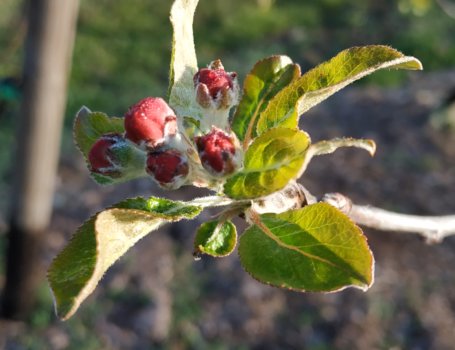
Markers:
(433, 228)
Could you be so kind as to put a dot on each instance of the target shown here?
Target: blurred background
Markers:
(157, 297)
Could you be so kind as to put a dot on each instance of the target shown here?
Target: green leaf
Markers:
(183, 60)
(99, 242)
(330, 146)
(215, 238)
(326, 79)
(271, 161)
(316, 249)
(265, 80)
(162, 207)
(90, 126)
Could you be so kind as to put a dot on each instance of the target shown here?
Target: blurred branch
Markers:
(433, 228)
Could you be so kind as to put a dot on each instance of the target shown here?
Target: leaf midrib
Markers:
(258, 222)
(261, 101)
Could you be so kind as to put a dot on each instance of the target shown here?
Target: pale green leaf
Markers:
(215, 238)
(330, 146)
(271, 161)
(316, 249)
(90, 126)
(183, 61)
(98, 243)
(265, 80)
(329, 77)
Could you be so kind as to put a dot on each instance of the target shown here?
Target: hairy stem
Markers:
(433, 228)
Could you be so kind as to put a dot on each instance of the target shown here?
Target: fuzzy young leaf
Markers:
(162, 207)
(215, 238)
(265, 80)
(183, 60)
(316, 249)
(330, 146)
(103, 239)
(326, 79)
(90, 126)
(271, 161)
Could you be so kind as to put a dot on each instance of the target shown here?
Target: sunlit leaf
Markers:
(90, 126)
(162, 207)
(329, 77)
(215, 238)
(271, 161)
(265, 80)
(183, 59)
(103, 239)
(330, 146)
(316, 249)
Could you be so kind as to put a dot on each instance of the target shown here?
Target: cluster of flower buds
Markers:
(217, 91)
(151, 128)
(152, 124)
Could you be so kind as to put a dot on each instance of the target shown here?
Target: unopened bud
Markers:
(114, 157)
(168, 167)
(149, 122)
(218, 152)
(216, 88)
(102, 156)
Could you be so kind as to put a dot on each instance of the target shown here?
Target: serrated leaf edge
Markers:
(200, 248)
(256, 114)
(92, 282)
(256, 220)
(395, 64)
(330, 146)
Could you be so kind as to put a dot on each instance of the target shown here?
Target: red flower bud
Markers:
(217, 152)
(149, 122)
(215, 80)
(215, 88)
(102, 158)
(168, 167)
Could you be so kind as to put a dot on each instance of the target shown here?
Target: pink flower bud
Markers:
(168, 167)
(216, 88)
(102, 157)
(150, 121)
(217, 152)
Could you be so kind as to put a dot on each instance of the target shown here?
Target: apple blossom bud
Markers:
(149, 122)
(217, 152)
(216, 88)
(102, 157)
(168, 167)
(113, 159)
